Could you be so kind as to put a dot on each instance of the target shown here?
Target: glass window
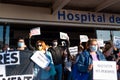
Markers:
(4, 35)
(103, 34)
(7, 34)
(1, 36)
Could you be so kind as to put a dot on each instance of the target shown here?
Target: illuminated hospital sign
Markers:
(88, 17)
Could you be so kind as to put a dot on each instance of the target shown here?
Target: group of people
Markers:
(64, 63)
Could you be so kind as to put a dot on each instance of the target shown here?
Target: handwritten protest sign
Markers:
(35, 31)
(73, 50)
(39, 58)
(64, 36)
(104, 70)
(83, 38)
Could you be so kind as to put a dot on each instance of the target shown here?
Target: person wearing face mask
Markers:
(21, 44)
(86, 58)
(57, 53)
(25, 64)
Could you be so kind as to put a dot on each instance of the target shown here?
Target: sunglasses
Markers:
(39, 45)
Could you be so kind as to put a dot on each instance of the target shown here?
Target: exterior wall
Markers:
(39, 15)
(24, 12)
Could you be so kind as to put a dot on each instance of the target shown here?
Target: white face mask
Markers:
(20, 44)
(63, 43)
(93, 48)
(40, 47)
(55, 43)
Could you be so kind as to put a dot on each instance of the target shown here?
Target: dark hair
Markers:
(20, 38)
(55, 40)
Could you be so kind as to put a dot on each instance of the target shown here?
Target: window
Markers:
(4, 35)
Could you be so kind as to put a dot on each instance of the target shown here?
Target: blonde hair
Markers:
(90, 41)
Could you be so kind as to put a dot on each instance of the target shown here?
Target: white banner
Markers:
(35, 31)
(40, 59)
(73, 50)
(104, 70)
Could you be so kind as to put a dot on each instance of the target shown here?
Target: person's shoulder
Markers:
(50, 48)
(99, 52)
(85, 53)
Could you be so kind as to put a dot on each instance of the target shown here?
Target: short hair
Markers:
(55, 40)
(19, 38)
(89, 42)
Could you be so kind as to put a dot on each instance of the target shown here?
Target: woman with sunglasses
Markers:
(39, 72)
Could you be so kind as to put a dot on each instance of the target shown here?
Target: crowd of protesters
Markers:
(65, 64)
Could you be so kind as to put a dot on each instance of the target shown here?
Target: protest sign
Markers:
(35, 31)
(40, 59)
(73, 50)
(83, 38)
(116, 41)
(64, 36)
(104, 70)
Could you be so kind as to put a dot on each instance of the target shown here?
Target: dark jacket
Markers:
(56, 54)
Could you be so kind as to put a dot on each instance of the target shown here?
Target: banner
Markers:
(104, 70)
(11, 70)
